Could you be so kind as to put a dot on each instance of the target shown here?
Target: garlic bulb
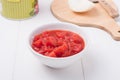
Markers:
(80, 5)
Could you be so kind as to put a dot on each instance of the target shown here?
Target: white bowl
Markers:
(58, 62)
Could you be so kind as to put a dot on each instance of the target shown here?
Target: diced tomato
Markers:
(37, 43)
(52, 54)
(49, 50)
(58, 43)
(60, 34)
(75, 38)
(35, 48)
(51, 41)
(66, 53)
(61, 49)
(36, 37)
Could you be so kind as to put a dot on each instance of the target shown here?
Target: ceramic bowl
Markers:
(63, 61)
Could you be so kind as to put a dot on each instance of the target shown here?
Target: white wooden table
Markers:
(100, 62)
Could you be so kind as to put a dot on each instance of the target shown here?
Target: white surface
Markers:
(8, 45)
(100, 62)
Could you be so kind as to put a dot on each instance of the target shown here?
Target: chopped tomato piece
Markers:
(61, 49)
(36, 37)
(51, 41)
(38, 43)
(52, 54)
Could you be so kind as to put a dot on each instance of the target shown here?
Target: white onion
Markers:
(80, 5)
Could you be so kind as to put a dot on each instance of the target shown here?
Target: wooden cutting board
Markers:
(97, 17)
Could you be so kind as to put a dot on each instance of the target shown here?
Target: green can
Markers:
(19, 9)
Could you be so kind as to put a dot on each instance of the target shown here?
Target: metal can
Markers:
(19, 9)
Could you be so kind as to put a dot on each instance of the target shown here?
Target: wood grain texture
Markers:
(97, 17)
(110, 8)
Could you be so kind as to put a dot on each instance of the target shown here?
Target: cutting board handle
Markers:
(110, 7)
(113, 28)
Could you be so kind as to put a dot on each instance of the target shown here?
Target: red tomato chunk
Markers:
(58, 43)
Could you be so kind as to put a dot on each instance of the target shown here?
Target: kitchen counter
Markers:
(100, 62)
